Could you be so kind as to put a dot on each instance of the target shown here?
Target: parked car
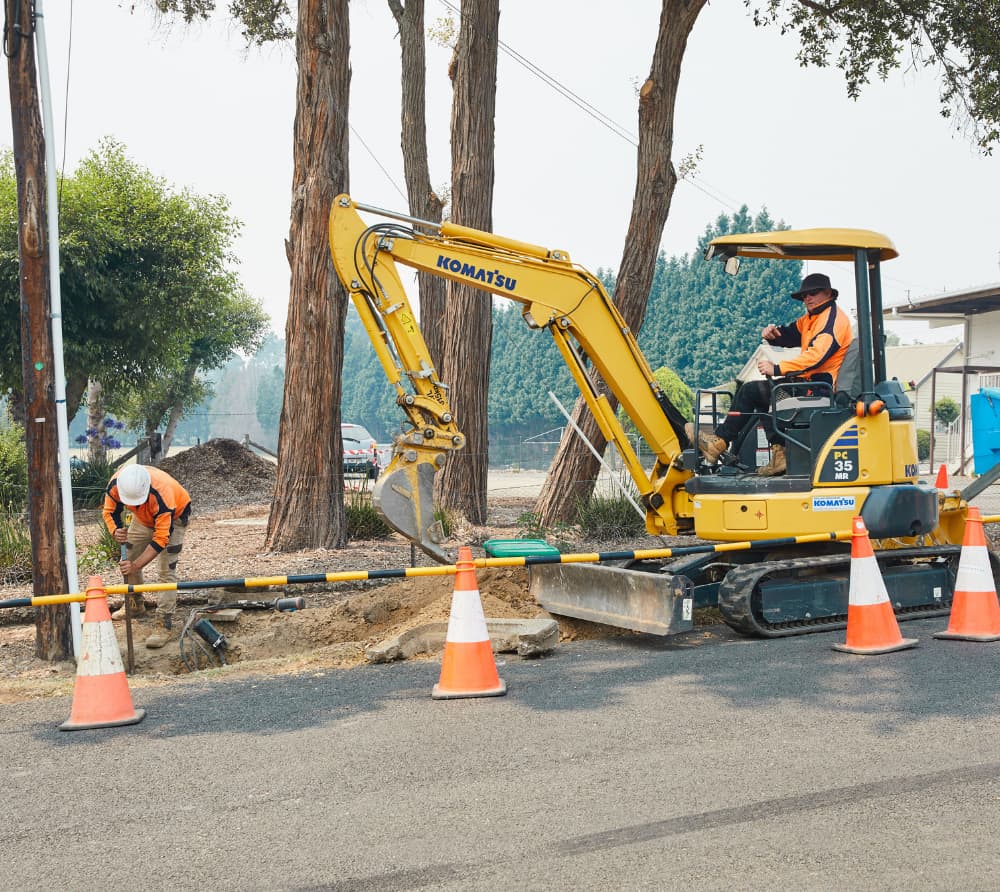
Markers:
(360, 451)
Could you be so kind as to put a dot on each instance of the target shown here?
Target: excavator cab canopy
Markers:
(862, 247)
(802, 244)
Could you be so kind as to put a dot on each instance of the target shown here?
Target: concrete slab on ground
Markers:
(526, 637)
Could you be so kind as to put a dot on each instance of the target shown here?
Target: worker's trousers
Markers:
(139, 536)
(754, 397)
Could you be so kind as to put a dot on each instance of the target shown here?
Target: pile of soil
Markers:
(222, 473)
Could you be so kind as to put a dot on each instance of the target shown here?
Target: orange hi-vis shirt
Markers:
(824, 335)
(167, 501)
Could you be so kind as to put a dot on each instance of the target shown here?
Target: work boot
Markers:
(710, 445)
(161, 632)
(776, 466)
(138, 608)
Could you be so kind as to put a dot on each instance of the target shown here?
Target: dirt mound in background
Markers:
(222, 473)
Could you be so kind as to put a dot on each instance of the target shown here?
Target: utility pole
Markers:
(53, 639)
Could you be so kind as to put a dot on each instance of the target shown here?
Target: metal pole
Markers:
(128, 621)
(59, 370)
(963, 414)
(930, 458)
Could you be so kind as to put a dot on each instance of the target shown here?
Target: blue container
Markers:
(985, 429)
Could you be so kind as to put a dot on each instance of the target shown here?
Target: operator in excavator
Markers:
(823, 333)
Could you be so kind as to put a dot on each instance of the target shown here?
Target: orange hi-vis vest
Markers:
(824, 335)
(167, 502)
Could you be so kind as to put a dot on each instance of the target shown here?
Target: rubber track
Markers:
(741, 610)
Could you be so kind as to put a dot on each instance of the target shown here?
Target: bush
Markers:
(363, 521)
(530, 526)
(923, 445)
(946, 411)
(611, 518)
(102, 555)
(13, 468)
(89, 480)
(15, 549)
(444, 517)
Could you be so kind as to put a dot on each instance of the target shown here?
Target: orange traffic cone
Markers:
(871, 624)
(942, 478)
(468, 668)
(101, 698)
(975, 611)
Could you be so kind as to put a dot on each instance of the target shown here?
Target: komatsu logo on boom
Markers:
(471, 271)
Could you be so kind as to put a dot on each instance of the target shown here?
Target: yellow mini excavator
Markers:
(849, 452)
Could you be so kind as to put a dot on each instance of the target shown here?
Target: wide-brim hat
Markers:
(814, 282)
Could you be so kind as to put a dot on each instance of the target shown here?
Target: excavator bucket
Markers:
(404, 496)
(654, 603)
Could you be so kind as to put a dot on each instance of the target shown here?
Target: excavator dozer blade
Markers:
(655, 603)
(404, 496)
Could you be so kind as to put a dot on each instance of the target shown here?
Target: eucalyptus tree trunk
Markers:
(173, 419)
(96, 449)
(424, 201)
(468, 321)
(574, 469)
(308, 506)
(53, 638)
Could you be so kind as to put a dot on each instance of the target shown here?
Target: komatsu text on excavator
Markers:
(850, 452)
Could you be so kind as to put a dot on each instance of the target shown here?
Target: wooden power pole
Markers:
(53, 638)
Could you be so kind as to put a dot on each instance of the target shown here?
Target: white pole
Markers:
(59, 370)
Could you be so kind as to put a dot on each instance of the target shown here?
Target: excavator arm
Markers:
(555, 294)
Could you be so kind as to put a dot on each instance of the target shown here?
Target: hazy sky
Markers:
(198, 109)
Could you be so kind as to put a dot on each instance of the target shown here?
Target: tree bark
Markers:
(53, 638)
(424, 201)
(468, 328)
(574, 469)
(308, 506)
(96, 450)
(173, 419)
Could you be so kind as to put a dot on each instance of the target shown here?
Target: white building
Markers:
(978, 311)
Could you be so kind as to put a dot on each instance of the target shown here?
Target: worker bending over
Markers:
(161, 510)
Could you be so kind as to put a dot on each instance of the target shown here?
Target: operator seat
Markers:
(849, 376)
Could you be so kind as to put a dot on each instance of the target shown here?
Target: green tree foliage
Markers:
(524, 366)
(149, 294)
(945, 411)
(957, 38)
(703, 323)
(677, 392)
(923, 445)
(13, 467)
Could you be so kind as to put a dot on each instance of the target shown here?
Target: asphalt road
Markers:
(710, 763)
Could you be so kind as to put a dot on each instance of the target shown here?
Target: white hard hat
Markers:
(133, 484)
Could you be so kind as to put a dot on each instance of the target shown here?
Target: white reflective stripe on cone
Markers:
(974, 571)
(867, 586)
(99, 647)
(466, 622)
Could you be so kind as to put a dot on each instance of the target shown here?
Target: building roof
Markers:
(915, 362)
(952, 305)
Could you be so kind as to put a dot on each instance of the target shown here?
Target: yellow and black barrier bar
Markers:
(439, 570)
(446, 569)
